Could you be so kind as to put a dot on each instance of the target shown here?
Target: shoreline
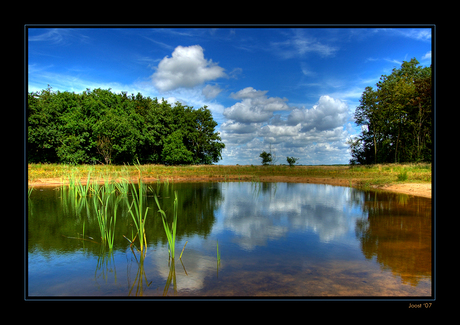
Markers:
(415, 189)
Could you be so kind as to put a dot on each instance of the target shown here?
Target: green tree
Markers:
(101, 126)
(174, 150)
(395, 118)
(266, 158)
(291, 161)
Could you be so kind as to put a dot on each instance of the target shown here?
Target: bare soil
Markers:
(417, 189)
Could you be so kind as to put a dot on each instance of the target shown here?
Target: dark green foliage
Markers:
(100, 126)
(291, 160)
(396, 118)
(266, 158)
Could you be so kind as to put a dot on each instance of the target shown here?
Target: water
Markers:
(275, 239)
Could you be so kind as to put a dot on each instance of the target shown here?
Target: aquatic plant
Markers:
(170, 232)
(123, 187)
(106, 226)
(29, 191)
(138, 215)
(180, 257)
(83, 190)
(218, 253)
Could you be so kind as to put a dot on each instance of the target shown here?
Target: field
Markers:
(386, 176)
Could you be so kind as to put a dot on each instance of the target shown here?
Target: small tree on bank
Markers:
(291, 160)
(266, 158)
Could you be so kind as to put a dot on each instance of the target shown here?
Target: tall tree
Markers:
(395, 118)
(101, 126)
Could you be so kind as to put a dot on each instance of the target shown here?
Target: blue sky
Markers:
(292, 88)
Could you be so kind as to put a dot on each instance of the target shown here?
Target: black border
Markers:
(362, 303)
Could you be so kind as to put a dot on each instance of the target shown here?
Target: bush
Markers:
(266, 158)
(291, 160)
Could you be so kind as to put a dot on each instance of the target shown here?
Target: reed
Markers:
(106, 226)
(123, 187)
(170, 231)
(218, 253)
(138, 215)
(83, 190)
(180, 257)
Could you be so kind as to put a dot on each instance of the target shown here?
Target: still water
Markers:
(274, 239)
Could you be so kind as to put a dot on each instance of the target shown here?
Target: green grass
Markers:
(170, 231)
(402, 176)
(218, 253)
(106, 223)
(29, 191)
(138, 215)
(345, 175)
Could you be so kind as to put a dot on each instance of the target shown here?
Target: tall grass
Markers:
(106, 223)
(138, 215)
(170, 231)
(218, 253)
(83, 190)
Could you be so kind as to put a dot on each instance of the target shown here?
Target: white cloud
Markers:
(418, 34)
(240, 128)
(255, 106)
(245, 112)
(329, 113)
(187, 68)
(316, 135)
(211, 91)
(59, 36)
(281, 131)
(248, 92)
(427, 56)
(299, 45)
(306, 70)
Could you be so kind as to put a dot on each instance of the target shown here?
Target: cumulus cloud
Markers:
(211, 91)
(248, 92)
(254, 106)
(236, 127)
(327, 114)
(316, 135)
(187, 68)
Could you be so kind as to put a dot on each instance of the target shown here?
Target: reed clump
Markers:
(170, 231)
(139, 214)
(106, 222)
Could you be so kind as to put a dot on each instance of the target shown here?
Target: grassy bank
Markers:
(344, 174)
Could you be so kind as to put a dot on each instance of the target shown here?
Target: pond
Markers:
(274, 239)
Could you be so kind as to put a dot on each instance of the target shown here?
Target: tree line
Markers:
(396, 118)
(100, 126)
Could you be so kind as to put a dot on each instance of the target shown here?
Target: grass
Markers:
(373, 174)
(402, 176)
(29, 191)
(170, 231)
(218, 253)
(106, 223)
(138, 215)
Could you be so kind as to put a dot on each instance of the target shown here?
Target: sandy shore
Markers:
(416, 189)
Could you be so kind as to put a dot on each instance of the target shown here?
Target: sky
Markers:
(291, 90)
